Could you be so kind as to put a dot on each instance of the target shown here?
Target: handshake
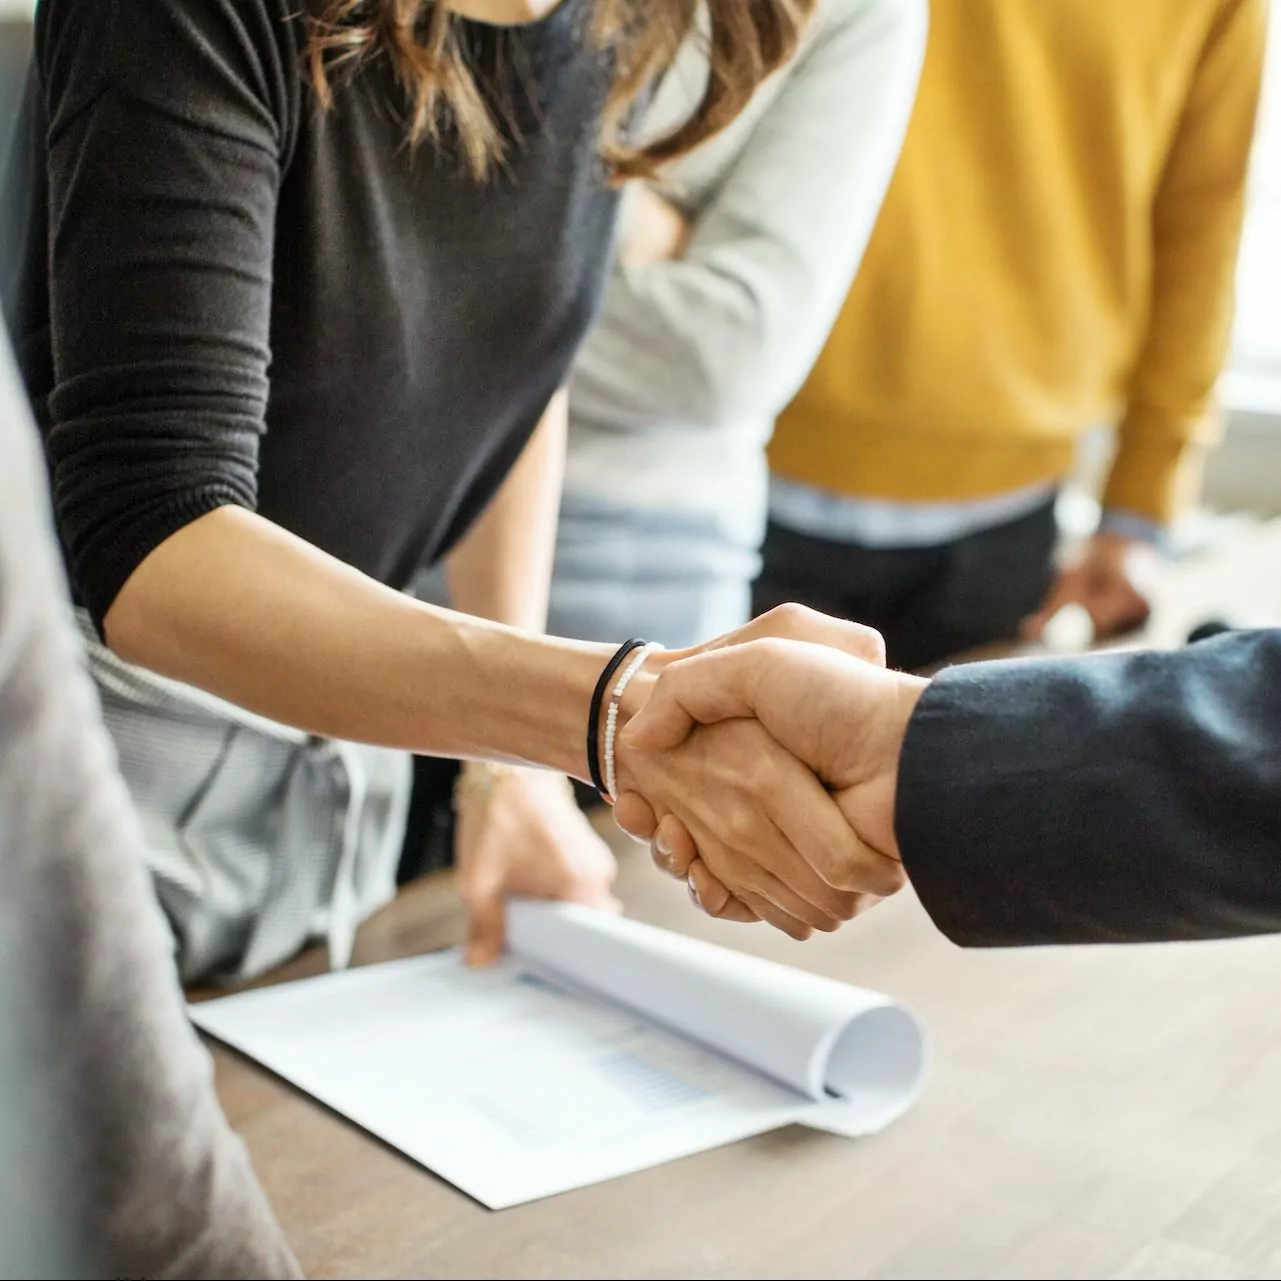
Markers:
(762, 769)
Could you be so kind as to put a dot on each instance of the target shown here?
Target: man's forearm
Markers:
(1111, 798)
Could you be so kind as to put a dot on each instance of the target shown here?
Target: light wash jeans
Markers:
(674, 577)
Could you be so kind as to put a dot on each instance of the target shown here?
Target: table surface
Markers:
(1100, 1112)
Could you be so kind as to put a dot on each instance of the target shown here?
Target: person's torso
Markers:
(420, 319)
(650, 470)
(1006, 285)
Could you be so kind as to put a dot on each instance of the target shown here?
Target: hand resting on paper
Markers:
(844, 717)
(521, 834)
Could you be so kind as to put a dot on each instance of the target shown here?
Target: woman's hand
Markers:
(519, 833)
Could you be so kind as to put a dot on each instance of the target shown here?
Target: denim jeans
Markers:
(672, 577)
(669, 576)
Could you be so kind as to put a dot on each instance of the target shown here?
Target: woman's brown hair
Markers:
(746, 41)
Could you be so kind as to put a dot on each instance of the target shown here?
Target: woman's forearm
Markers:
(249, 612)
(245, 610)
(502, 569)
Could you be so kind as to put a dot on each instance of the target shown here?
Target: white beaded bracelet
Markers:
(611, 716)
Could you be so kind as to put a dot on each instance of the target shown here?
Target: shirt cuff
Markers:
(1127, 524)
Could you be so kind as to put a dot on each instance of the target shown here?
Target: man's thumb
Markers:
(700, 690)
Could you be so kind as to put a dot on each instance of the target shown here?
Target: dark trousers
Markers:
(930, 603)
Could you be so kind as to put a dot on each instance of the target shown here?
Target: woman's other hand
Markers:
(520, 834)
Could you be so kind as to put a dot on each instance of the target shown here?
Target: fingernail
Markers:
(662, 844)
(693, 893)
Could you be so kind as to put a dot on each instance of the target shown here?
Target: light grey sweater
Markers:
(674, 395)
(167, 1187)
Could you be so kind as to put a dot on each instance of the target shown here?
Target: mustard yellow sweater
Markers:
(1058, 245)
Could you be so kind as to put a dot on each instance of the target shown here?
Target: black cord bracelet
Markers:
(593, 715)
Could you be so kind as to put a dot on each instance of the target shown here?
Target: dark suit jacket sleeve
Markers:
(1119, 798)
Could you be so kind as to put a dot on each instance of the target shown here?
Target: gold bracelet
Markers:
(480, 778)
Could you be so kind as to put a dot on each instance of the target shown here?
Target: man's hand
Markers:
(1113, 581)
(520, 833)
(845, 719)
(749, 803)
(761, 821)
(796, 623)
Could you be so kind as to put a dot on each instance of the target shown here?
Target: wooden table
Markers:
(1098, 1112)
